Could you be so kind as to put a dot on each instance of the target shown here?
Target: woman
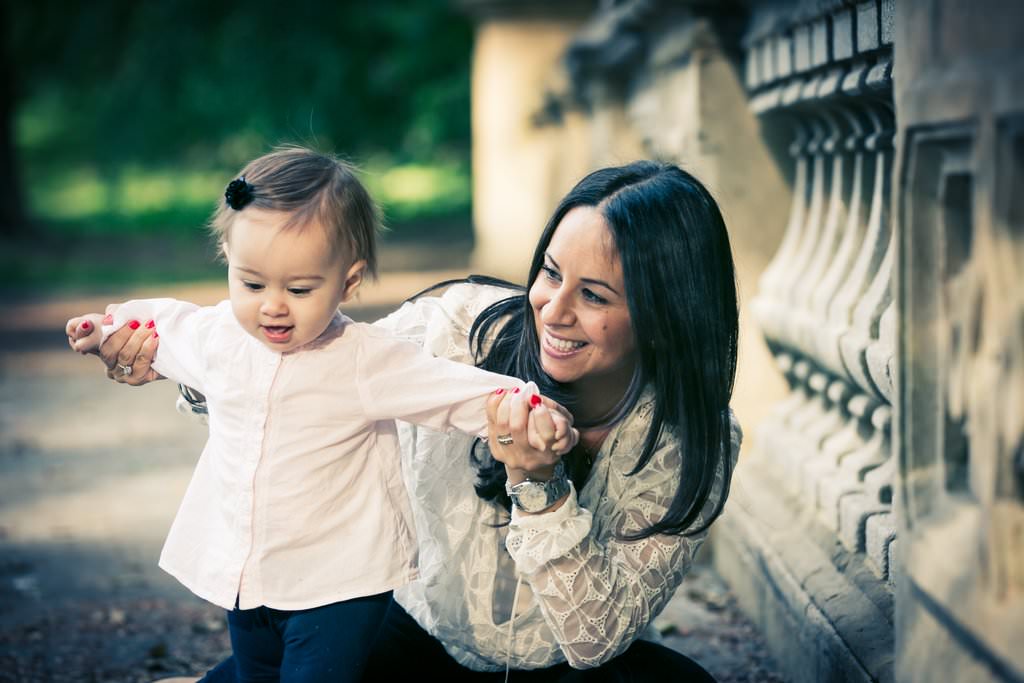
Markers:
(630, 320)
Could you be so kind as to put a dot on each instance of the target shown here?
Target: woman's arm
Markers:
(599, 592)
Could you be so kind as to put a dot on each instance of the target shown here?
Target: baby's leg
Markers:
(330, 644)
(256, 643)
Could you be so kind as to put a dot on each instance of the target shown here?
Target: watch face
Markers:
(533, 497)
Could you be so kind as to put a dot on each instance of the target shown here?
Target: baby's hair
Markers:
(312, 187)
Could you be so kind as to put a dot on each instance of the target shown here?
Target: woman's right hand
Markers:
(133, 347)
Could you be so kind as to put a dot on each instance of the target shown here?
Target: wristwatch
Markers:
(537, 496)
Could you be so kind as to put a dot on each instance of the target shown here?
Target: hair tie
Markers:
(238, 193)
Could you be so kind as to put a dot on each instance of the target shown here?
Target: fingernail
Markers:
(134, 324)
(155, 335)
(499, 392)
(108, 319)
(516, 390)
(150, 325)
(86, 325)
(535, 400)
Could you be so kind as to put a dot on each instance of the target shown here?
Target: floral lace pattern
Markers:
(586, 594)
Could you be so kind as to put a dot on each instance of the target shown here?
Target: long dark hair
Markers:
(681, 292)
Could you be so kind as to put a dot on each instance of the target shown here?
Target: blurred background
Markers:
(122, 122)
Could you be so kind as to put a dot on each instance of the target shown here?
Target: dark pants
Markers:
(404, 651)
(327, 644)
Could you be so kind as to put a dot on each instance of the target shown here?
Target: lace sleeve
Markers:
(599, 594)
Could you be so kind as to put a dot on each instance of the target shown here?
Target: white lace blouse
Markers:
(585, 595)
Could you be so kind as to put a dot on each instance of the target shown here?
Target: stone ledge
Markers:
(819, 624)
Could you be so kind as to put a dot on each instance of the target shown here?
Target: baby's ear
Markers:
(354, 278)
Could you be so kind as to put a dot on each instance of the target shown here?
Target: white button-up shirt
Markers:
(297, 500)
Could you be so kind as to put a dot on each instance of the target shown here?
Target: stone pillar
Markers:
(960, 395)
(521, 168)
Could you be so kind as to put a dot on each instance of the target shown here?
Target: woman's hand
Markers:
(134, 347)
(528, 433)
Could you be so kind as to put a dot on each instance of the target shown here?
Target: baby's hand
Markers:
(565, 435)
(84, 332)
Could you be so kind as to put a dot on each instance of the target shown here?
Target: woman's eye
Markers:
(299, 291)
(253, 286)
(551, 274)
(594, 298)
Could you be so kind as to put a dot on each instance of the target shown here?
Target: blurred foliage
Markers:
(132, 116)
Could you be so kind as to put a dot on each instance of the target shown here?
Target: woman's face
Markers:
(579, 307)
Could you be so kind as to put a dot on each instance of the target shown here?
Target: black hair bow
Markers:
(238, 194)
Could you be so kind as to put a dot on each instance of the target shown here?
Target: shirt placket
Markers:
(253, 497)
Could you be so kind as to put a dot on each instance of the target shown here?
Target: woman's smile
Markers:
(559, 347)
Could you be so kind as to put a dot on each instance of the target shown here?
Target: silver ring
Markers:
(505, 439)
(125, 369)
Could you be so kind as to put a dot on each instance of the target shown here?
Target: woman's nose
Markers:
(558, 309)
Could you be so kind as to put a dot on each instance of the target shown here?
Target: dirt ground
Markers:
(90, 478)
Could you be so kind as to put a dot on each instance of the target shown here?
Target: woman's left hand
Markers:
(536, 433)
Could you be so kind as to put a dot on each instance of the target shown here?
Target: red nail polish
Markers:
(535, 400)
(516, 390)
(86, 325)
(155, 335)
(150, 325)
(499, 392)
(108, 319)
(134, 324)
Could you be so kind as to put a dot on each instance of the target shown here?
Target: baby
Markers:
(296, 519)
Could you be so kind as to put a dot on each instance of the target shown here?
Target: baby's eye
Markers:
(299, 291)
(253, 286)
(594, 298)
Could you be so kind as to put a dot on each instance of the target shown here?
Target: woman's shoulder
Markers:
(455, 304)
(471, 298)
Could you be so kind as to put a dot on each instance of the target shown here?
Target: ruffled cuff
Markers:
(534, 540)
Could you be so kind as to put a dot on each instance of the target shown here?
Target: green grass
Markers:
(138, 225)
(84, 200)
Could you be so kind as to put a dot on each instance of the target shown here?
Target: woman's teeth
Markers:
(563, 345)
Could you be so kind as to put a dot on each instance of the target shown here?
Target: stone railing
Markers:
(824, 302)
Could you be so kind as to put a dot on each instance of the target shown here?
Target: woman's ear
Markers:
(353, 279)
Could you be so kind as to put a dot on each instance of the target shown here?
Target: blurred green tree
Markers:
(207, 84)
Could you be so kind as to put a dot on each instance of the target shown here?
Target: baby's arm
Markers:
(397, 380)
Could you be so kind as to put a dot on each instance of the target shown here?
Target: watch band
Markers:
(536, 496)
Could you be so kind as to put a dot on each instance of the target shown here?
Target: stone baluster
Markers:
(854, 230)
(809, 235)
(867, 292)
(773, 281)
(805, 323)
(875, 238)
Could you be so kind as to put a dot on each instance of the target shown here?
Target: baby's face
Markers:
(285, 285)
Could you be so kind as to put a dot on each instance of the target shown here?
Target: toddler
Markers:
(296, 519)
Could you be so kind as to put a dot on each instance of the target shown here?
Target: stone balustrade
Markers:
(824, 302)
